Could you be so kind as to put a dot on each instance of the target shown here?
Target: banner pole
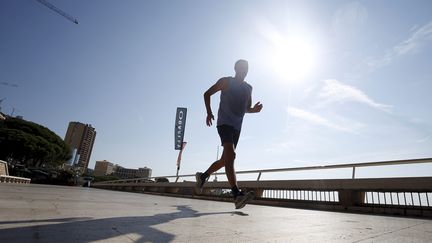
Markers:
(178, 168)
(217, 158)
(179, 160)
(178, 164)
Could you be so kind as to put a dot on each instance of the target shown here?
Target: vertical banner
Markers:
(179, 130)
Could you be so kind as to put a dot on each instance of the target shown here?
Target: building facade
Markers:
(126, 173)
(103, 168)
(81, 137)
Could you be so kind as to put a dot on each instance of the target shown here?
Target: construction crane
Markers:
(57, 10)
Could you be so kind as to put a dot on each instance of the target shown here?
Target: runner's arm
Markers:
(257, 107)
(221, 84)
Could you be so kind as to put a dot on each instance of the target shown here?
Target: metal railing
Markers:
(319, 167)
(398, 195)
(418, 199)
(302, 195)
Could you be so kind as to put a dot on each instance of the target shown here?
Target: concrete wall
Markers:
(350, 193)
(3, 168)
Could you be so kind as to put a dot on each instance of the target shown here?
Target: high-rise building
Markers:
(103, 168)
(81, 137)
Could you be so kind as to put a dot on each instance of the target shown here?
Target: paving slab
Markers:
(46, 213)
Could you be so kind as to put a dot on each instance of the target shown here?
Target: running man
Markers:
(235, 101)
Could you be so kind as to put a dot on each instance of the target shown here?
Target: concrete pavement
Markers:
(45, 213)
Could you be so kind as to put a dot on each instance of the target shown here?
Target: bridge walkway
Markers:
(45, 213)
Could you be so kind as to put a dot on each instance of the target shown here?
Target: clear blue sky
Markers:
(340, 81)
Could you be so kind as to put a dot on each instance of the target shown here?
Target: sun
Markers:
(293, 58)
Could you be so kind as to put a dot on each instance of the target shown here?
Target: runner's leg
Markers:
(226, 160)
(215, 166)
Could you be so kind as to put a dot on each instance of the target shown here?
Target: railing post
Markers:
(258, 192)
(349, 198)
(353, 172)
(259, 176)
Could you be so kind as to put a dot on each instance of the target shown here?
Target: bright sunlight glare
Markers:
(293, 59)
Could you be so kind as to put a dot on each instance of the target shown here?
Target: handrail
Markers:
(320, 167)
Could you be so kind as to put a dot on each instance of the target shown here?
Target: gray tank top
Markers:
(233, 103)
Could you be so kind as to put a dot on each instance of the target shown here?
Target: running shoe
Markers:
(243, 198)
(199, 182)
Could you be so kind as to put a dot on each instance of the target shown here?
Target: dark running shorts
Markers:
(228, 134)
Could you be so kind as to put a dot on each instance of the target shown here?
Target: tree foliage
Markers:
(31, 143)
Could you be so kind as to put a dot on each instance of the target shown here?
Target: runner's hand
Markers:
(209, 119)
(257, 107)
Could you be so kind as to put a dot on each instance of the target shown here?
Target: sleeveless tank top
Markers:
(233, 103)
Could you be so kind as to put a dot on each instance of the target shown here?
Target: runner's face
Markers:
(241, 70)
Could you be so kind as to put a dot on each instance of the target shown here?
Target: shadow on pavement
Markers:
(44, 220)
(88, 229)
